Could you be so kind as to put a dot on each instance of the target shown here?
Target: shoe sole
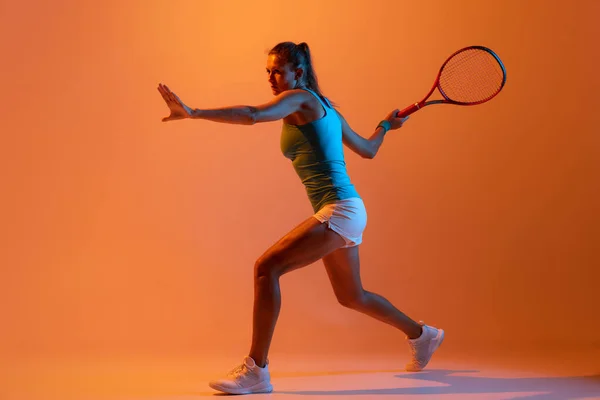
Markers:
(262, 387)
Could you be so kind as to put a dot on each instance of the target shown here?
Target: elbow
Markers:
(252, 115)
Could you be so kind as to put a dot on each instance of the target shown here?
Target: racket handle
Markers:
(408, 110)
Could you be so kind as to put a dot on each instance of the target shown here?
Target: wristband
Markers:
(385, 125)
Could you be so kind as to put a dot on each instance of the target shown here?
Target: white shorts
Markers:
(348, 218)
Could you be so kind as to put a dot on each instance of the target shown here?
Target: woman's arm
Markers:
(280, 107)
(367, 148)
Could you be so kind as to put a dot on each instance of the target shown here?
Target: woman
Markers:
(312, 137)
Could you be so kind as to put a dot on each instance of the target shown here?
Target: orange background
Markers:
(125, 235)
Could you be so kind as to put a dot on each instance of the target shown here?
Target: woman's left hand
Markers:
(178, 109)
(394, 120)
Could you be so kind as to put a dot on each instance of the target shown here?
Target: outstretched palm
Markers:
(178, 109)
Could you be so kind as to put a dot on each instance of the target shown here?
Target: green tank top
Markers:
(317, 154)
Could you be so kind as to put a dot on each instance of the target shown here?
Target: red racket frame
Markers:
(417, 106)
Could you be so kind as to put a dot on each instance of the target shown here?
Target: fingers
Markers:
(177, 99)
(171, 94)
(167, 94)
(164, 92)
(403, 120)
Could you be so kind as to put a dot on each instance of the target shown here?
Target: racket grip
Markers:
(408, 110)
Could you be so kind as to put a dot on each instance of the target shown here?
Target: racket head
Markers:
(472, 75)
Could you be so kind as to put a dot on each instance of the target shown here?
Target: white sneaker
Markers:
(422, 348)
(246, 378)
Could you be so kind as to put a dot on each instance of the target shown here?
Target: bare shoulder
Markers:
(281, 106)
(310, 108)
(305, 96)
(305, 100)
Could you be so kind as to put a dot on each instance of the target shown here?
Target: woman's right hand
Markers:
(394, 120)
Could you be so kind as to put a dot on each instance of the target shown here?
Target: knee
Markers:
(266, 267)
(354, 301)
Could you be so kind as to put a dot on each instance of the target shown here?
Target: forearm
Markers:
(243, 115)
(376, 140)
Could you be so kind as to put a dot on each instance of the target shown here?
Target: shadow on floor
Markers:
(556, 388)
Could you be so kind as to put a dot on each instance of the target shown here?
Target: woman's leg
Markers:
(343, 269)
(307, 243)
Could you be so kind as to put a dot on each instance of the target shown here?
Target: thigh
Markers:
(303, 245)
(343, 269)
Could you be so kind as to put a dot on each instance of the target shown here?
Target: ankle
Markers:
(259, 361)
(416, 334)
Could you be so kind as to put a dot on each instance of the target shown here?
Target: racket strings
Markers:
(471, 76)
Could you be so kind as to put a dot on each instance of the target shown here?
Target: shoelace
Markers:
(237, 371)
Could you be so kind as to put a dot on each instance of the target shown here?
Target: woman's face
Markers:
(281, 77)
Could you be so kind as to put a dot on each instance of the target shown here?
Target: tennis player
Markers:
(312, 138)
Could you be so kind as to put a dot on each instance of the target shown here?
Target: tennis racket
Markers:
(470, 76)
